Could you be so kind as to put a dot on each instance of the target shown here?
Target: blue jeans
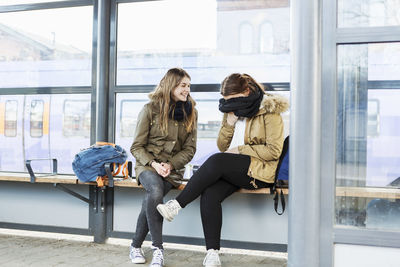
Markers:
(149, 218)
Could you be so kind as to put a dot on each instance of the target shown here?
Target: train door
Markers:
(11, 133)
(69, 128)
(36, 131)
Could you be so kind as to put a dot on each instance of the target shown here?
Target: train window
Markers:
(76, 118)
(36, 118)
(10, 122)
(128, 118)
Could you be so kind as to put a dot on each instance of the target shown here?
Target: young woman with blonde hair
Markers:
(164, 142)
(250, 165)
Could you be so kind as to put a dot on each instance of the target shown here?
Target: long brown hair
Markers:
(237, 83)
(162, 97)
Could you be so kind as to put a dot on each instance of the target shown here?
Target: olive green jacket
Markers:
(177, 147)
(263, 138)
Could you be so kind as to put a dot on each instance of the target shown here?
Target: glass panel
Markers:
(266, 38)
(209, 122)
(69, 128)
(368, 13)
(36, 118)
(216, 38)
(246, 38)
(36, 53)
(76, 118)
(20, 2)
(368, 140)
(49, 126)
(10, 122)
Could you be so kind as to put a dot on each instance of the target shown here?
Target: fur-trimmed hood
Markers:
(275, 103)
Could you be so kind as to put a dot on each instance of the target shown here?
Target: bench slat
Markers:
(367, 192)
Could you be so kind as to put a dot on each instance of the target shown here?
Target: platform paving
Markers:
(38, 251)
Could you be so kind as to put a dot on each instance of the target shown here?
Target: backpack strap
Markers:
(277, 184)
(277, 196)
(121, 169)
(100, 143)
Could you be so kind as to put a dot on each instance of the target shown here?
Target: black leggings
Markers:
(219, 177)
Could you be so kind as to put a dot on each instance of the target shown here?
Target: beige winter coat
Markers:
(263, 138)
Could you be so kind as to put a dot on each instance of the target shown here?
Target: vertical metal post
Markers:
(304, 197)
(102, 69)
(102, 92)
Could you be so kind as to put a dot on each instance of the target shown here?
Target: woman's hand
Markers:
(168, 166)
(231, 119)
(161, 168)
(233, 150)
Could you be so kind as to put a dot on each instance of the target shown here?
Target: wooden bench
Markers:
(71, 179)
(365, 192)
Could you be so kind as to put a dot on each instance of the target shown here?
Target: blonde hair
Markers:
(162, 97)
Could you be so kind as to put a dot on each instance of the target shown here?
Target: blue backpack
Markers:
(89, 164)
(281, 178)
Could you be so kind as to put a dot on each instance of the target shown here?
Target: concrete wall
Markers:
(42, 204)
(366, 256)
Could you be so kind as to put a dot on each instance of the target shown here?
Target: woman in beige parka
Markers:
(251, 165)
(164, 142)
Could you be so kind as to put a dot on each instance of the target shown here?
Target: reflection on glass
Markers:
(10, 116)
(368, 13)
(368, 140)
(217, 38)
(39, 48)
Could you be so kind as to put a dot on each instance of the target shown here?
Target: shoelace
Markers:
(137, 252)
(173, 208)
(212, 256)
(158, 258)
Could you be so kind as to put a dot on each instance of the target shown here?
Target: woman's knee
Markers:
(152, 183)
(215, 159)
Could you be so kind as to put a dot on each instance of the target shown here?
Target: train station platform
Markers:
(27, 248)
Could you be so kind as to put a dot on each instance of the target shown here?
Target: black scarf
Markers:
(247, 106)
(176, 111)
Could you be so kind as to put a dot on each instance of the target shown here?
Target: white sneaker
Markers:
(136, 255)
(212, 259)
(158, 258)
(169, 210)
